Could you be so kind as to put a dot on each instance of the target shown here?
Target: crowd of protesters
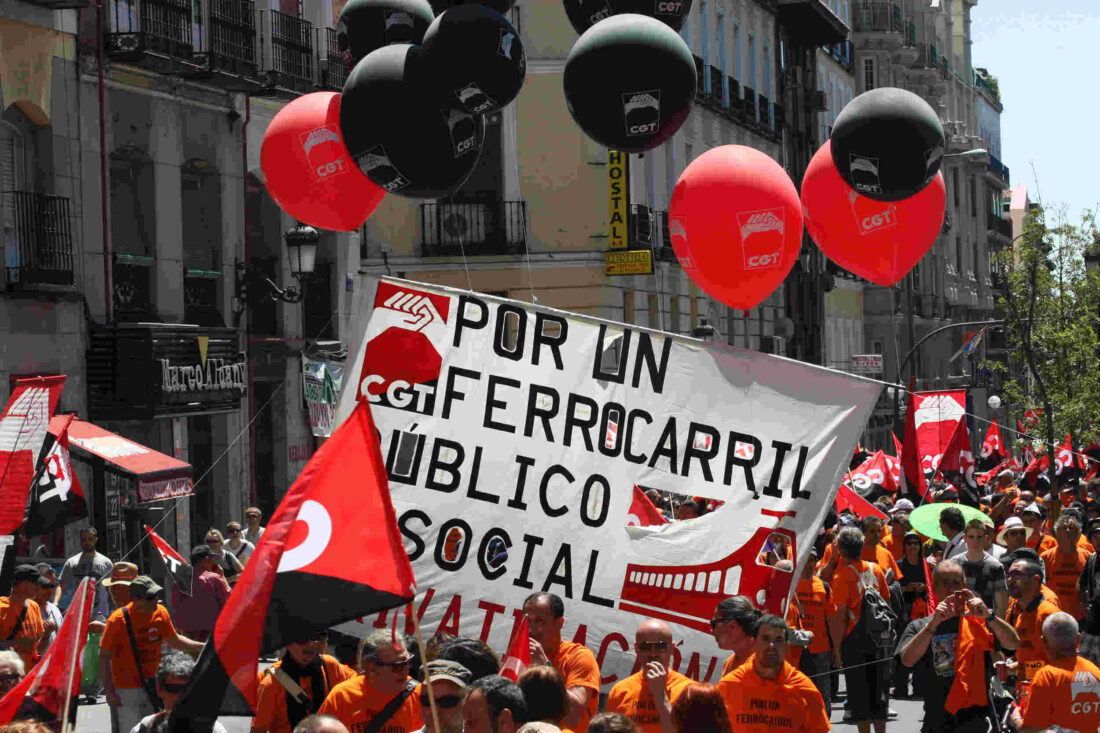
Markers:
(999, 604)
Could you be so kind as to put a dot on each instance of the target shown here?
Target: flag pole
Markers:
(427, 680)
(65, 725)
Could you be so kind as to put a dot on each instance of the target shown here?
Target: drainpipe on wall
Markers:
(103, 190)
(252, 498)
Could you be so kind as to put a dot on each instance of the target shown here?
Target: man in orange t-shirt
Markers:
(21, 624)
(814, 603)
(119, 671)
(355, 702)
(278, 710)
(873, 551)
(899, 527)
(1066, 692)
(1028, 616)
(647, 696)
(575, 663)
(866, 681)
(768, 695)
(1064, 564)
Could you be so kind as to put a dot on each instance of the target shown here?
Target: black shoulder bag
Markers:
(375, 724)
(150, 686)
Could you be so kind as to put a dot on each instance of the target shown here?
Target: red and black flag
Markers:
(51, 689)
(23, 426)
(57, 498)
(181, 571)
(331, 553)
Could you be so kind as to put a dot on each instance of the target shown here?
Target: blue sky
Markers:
(1043, 54)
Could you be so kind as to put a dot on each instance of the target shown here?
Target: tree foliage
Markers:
(1050, 302)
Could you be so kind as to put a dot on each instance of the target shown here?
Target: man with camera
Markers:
(951, 653)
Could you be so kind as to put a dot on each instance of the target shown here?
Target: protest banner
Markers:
(514, 436)
(321, 381)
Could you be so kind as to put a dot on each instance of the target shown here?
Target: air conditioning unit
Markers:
(773, 345)
(456, 224)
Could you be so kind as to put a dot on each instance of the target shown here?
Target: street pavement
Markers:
(97, 719)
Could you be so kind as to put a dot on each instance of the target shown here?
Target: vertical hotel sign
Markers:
(618, 199)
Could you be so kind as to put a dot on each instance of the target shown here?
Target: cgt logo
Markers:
(864, 171)
(595, 15)
(874, 222)
(377, 166)
(325, 152)
(762, 238)
(642, 111)
(472, 98)
(463, 129)
(669, 7)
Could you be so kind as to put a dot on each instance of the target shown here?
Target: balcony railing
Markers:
(286, 45)
(473, 227)
(999, 169)
(332, 72)
(227, 37)
(874, 16)
(39, 239)
(157, 26)
(1001, 226)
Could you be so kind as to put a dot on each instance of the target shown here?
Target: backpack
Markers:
(877, 623)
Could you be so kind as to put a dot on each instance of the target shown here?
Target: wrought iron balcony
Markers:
(332, 72)
(1000, 226)
(227, 37)
(40, 236)
(876, 16)
(700, 80)
(138, 28)
(286, 51)
(473, 227)
(812, 22)
(999, 169)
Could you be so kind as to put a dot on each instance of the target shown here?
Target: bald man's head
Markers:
(653, 642)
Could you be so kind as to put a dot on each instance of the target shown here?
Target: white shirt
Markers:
(955, 547)
(249, 536)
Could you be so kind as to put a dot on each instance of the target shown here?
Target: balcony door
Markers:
(13, 158)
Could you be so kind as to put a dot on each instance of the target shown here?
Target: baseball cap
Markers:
(901, 505)
(29, 573)
(199, 553)
(122, 573)
(445, 669)
(144, 588)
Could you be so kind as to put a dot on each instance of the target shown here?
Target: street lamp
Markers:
(975, 153)
(254, 286)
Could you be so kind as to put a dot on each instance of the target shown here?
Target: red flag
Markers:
(518, 657)
(22, 431)
(181, 571)
(52, 687)
(1031, 417)
(57, 497)
(984, 478)
(875, 471)
(848, 499)
(930, 595)
(910, 456)
(642, 512)
(957, 450)
(1063, 459)
(934, 417)
(993, 445)
(338, 509)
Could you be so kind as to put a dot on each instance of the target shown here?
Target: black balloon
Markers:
(629, 82)
(475, 57)
(583, 14)
(888, 144)
(405, 137)
(366, 25)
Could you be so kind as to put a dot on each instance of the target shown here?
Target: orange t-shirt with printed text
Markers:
(1062, 573)
(790, 702)
(846, 589)
(1064, 693)
(577, 666)
(632, 698)
(354, 703)
(1031, 654)
(817, 605)
(271, 713)
(31, 627)
(151, 630)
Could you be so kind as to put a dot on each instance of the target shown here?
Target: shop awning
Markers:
(149, 474)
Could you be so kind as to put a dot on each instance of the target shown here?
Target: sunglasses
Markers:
(232, 530)
(655, 646)
(447, 701)
(251, 516)
(404, 662)
(715, 621)
(175, 689)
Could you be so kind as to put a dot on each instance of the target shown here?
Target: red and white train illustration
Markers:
(688, 594)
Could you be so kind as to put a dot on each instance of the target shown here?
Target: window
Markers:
(955, 185)
(767, 71)
(751, 79)
(974, 196)
(704, 46)
(958, 256)
(202, 219)
(132, 204)
(720, 34)
(737, 54)
(974, 260)
(868, 74)
(12, 166)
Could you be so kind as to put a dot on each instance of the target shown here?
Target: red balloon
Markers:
(878, 240)
(308, 170)
(736, 224)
